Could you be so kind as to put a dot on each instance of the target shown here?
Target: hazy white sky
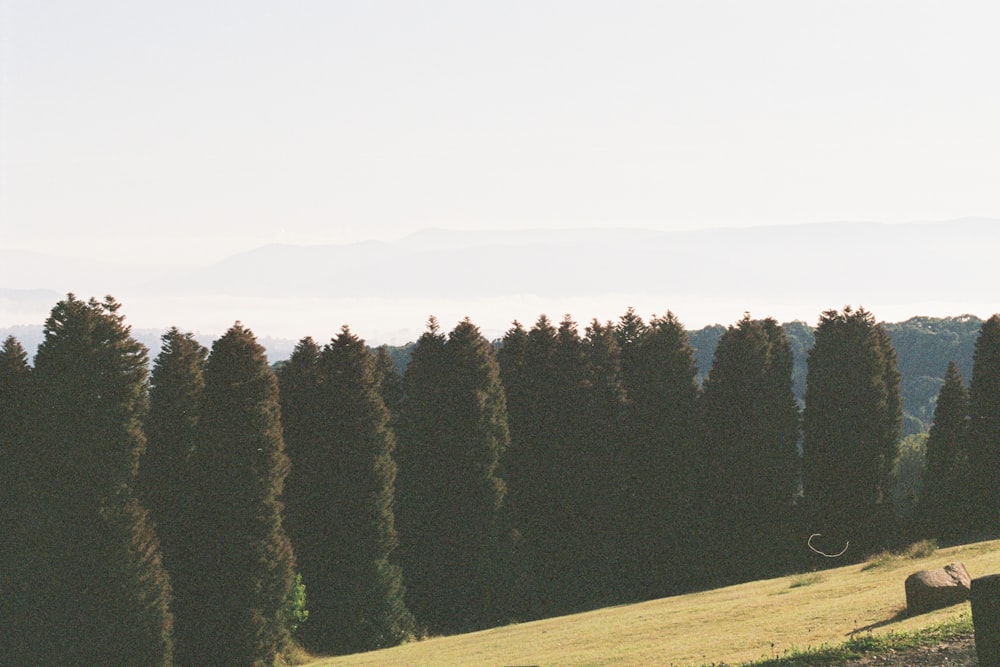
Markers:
(214, 126)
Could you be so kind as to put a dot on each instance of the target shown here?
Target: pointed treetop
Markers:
(305, 349)
(13, 350)
(543, 322)
(465, 328)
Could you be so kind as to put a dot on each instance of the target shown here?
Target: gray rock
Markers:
(934, 589)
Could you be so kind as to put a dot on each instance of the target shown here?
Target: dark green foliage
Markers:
(801, 338)
(303, 424)
(245, 564)
(91, 588)
(92, 384)
(566, 410)
(984, 424)
(389, 379)
(602, 498)
(452, 433)
(346, 533)
(924, 348)
(851, 429)
(540, 399)
(177, 383)
(660, 466)
(907, 481)
(165, 474)
(749, 436)
(944, 498)
(703, 343)
(15, 387)
(15, 376)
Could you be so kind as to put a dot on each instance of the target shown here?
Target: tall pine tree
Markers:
(984, 424)
(15, 387)
(943, 506)
(245, 565)
(303, 421)
(98, 592)
(566, 410)
(165, 474)
(604, 412)
(355, 591)
(851, 430)
(535, 385)
(750, 428)
(452, 433)
(660, 465)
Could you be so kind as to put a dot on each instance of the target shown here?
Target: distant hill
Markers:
(839, 262)
(386, 290)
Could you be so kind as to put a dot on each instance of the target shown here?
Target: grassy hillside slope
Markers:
(736, 624)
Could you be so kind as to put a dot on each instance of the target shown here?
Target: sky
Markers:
(208, 127)
(183, 131)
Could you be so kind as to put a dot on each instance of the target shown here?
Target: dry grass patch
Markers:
(752, 621)
(916, 551)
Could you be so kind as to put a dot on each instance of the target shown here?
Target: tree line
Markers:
(201, 512)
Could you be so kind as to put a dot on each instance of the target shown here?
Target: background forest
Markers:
(208, 507)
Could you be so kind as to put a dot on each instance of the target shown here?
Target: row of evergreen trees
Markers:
(85, 579)
(547, 473)
(960, 496)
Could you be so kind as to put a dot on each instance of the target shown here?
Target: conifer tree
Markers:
(851, 428)
(532, 382)
(984, 423)
(245, 565)
(15, 387)
(750, 437)
(515, 377)
(604, 411)
(566, 406)
(567, 547)
(15, 376)
(661, 468)
(517, 471)
(423, 502)
(303, 421)
(629, 332)
(944, 498)
(453, 432)
(355, 591)
(98, 591)
(165, 475)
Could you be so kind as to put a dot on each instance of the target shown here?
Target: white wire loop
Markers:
(821, 553)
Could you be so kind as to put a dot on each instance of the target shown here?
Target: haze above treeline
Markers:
(386, 290)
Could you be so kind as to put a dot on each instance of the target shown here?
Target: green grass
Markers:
(809, 617)
(870, 644)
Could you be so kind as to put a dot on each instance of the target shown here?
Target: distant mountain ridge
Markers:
(872, 261)
(385, 290)
(841, 262)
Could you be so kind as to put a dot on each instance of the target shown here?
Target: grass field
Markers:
(752, 621)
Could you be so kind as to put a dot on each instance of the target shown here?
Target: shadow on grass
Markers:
(900, 615)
